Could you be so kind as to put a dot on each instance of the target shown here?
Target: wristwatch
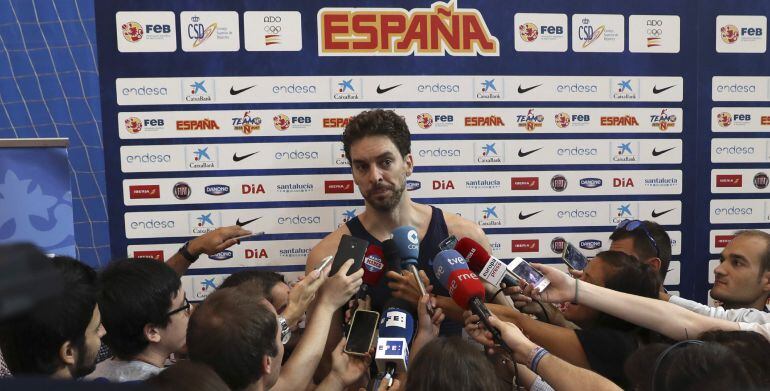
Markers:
(285, 330)
(186, 253)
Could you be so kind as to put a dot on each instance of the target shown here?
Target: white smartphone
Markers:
(325, 262)
(524, 271)
(249, 235)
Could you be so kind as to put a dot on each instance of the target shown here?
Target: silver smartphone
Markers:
(524, 271)
(573, 257)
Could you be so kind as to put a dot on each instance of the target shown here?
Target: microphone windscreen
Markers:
(475, 254)
(396, 322)
(408, 243)
(374, 267)
(445, 262)
(463, 286)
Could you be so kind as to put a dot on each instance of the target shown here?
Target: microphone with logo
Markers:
(395, 334)
(374, 269)
(489, 268)
(464, 287)
(408, 243)
(392, 257)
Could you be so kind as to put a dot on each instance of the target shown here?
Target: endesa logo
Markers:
(734, 150)
(734, 211)
(144, 91)
(664, 120)
(729, 180)
(590, 183)
(442, 29)
(299, 220)
(338, 187)
(590, 244)
(148, 158)
(297, 155)
(152, 254)
(530, 121)
(152, 224)
(576, 213)
(217, 190)
(439, 152)
(426, 120)
(294, 89)
(491, 120)
(576, 88)
(721, 241)
(144, 191)
(525, 245)
(577, 151)
(438, 88)
(736, 88)
(525, 183)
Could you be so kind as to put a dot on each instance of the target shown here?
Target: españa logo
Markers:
(442, 29)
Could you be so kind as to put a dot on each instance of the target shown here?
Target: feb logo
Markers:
(724, 119)
(424, 120)
(133, 125)
(281, 122)
(132, 31)
(528, 32)
(729, 33)
(562, 120)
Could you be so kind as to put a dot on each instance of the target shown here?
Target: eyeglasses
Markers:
(185, 307)
(633, 225)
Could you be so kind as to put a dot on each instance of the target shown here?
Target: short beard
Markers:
(83, 368)
(390, 203)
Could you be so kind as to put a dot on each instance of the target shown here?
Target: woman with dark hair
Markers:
(603, 342)
(450, 364)
(188, 375)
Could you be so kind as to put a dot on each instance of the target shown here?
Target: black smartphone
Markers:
(573, 257)
(361, 334)
(350, 247)
(448, 244)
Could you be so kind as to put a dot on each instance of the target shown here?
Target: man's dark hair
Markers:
(644, 248)
(451, 364)
(187, 375)
(750, 347)
(31, 341)
(135, 292)
(266, 280)
(626, 274)
(377, 122)
(765, 257)
(231, 331)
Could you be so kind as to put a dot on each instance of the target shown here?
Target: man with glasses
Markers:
(145, 313)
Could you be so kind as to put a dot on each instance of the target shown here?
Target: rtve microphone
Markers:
(408, 243)
(464, 287)
(374, 269)
(489, 268)
(395, 334)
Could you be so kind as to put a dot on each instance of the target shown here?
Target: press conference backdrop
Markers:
(544, 122)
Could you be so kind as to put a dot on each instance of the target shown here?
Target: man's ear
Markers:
(152, 333)
(267, 361)
(67, 353)
(765, 281)
(409, 164)
(655, 263)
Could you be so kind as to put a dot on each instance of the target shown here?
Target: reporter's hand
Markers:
(476, 330)
(561, 288)
(513, 338)
(217, 240)
(348, 369)
(357, 304)
(339, 288)
(429, 326)
(404, 286)
(396, 386)
(302, 294)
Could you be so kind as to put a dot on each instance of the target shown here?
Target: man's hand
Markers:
(561, 288)
(404, 286)
(476, 330)
(215, 241)
(348, 369)
(428, 326)
(340, 287)
(302, 294)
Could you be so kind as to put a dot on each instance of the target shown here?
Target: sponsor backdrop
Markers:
(543, 123)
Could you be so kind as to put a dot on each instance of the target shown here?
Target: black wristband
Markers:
(186, 253)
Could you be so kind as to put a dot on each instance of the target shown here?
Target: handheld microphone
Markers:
(464, 287)
(395, 334)
(408, 243)
(489, 268)
(374, 269)
(392, 257)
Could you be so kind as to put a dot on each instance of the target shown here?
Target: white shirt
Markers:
(762, 329)
(748, 315)
(119, 371)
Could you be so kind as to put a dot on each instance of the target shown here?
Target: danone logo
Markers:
(222, 255)
(441, 29)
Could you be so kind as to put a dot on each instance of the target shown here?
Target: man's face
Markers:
(626, 246)
(279, 297)
(86, 355)
(737, 280)
(379, 171)
(174, 335)
(275, 363)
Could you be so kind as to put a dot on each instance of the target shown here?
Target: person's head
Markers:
(742, 279)
(378, 147)
(617, 271)
(143, 307)
(274, 287)
(187, 375)
(450, 364)
(61, 336)
(247, 326)
(647, 241)
(687, 366)
(752, 348)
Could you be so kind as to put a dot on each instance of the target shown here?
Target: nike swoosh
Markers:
(233, 91)
(655, 89)
(655, 152)
(237, 158)
(384, 90)
(656, 214)
(523, 90)
(523, 154)
(524, 217)
(241, 224)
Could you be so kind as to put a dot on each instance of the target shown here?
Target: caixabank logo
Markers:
(443, 29)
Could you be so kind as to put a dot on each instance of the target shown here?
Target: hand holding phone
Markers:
(524, 271)
(349, 248)
(573, 257)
